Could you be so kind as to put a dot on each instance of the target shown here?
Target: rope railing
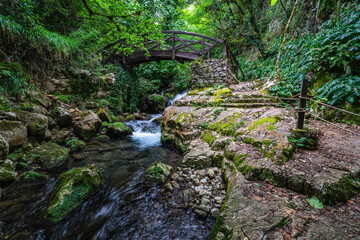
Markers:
(302, 109)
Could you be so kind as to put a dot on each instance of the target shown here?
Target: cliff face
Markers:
(251, 137)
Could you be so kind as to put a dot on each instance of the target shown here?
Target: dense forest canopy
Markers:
(55, 37)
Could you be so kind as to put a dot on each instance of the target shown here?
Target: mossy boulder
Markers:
(14, 132)
(158, 171)
(71, 189)
(4, 148)
(7, 176)
(49, 155)
(87, 125)
(31, 176)
(36, 123)
(63, 117)
(75, 144)
(306, 138)
(118, 130)
(156, 103)
(103, 115)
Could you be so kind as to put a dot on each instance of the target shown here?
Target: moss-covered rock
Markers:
(118, 130)
(36, 123)
(87, 125)
(7, 176)
(103, 115)
(156, 103)
(75, 144)
(306, 138)
(4, 148)
(14, 132)
(71, 189)
(49, 155)
(228, 125)
(158, 171)
(31, 176)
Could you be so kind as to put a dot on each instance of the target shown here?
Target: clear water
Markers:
(128, 207)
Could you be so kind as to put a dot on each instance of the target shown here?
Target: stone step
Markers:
(249, 105)
(252, 100)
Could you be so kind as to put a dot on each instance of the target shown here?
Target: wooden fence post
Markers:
(302, 104)
(225, 49)
(173, 46)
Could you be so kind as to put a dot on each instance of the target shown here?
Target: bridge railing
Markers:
(173, 47)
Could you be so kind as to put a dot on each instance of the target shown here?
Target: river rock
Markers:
(205, 201)
(36, 123)
(211, 173)
(200, 213)
(61, 136)
(214, 212)
(169, 187)
(204, 192)
(158, 171)
(9, 116)
(103, 115)
(87, 125)
(14, 132)
(4, 148)
(218, 199)
(187, 195)
(31, 176)
(118, 130)
(7, 176)
(75, 144)
(64, 117)
(71, 189)
(49, 155)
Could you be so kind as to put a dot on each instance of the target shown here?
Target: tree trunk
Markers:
(284, 40)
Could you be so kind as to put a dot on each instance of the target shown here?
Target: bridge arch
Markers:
(172, 47)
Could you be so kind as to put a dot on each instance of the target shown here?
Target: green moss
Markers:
(188, 117)
(217, 159)
(32, 176)
(208, 137)
(222, 92)
(196, 91)
(228, 125)
(158, 171)
(251, 141)
(121, 125)
(239, 159)
(270, 127)
(75, 144)
(71, 189)
(130, 117)
(266, 142)
(48, 154)
(256, 124)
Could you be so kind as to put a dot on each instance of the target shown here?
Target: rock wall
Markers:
(212, 72)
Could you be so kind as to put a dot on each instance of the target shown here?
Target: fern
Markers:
(338, 91)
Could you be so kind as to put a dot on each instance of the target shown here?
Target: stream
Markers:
(128, 207)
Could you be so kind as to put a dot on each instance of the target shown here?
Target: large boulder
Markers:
(36, 123)
(14, 132)
(49, 155)
(7, 176)
(158, 171)
(31, 176)
(155, 103)
(64, 117)
(4, 148)
(87, 125)
(118, 130)
(71, 189)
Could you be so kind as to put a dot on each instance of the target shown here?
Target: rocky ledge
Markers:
(269, 174)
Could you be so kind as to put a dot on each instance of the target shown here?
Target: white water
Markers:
(178, 96)
(147, 133)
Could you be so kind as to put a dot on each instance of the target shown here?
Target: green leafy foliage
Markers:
(340, 90)
(337, 45)
(315, 203)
